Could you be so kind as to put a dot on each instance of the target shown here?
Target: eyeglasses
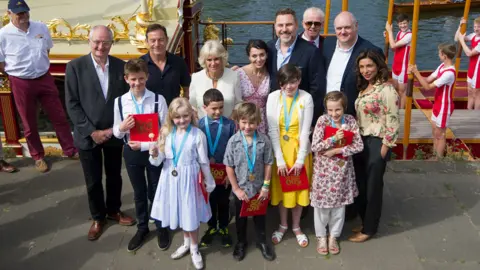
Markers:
(104, 43)
(315, 24)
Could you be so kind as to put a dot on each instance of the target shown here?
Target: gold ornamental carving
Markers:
(4, 85)
(211, 32)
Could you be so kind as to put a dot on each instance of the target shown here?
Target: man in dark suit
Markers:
(340, 54)
(288, 48)
(313, 19)
(92, 82)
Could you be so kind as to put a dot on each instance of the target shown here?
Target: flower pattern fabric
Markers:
(378, 113)
(333, 182)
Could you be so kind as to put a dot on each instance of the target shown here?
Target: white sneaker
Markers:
(180, 252)
(197, 260)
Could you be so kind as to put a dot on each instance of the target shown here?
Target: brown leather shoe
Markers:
(122, 219)
(359, 237)
(75, 156)
(41, 165)
(96, 229)
(357, 229)
(6, 167)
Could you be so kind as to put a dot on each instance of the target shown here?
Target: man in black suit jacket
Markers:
(92, 82)
(288, 48)
(347, 43)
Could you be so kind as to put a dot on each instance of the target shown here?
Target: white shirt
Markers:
(102, 75)
(25, 53)
(469, 38)
(284, 59)
(337, 67)
(316, 42)
(128, 108)
(447, 78)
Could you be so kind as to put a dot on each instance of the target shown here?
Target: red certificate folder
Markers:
(202, 186)
(347, 137)
(219, 173)
(254, 207)
(295, 182)
(145, 124)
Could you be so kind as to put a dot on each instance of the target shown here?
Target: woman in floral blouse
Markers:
(379, 121)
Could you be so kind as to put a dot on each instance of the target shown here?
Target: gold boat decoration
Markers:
(61, 29)
(4, 85)
(211, 32)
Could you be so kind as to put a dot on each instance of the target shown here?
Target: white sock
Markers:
(193, 248)
(186, 241)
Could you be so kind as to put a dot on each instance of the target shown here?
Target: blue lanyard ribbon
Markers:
(333, 123)
(176, 155)
(288, 116)
(213, 146)
(138, 108)
(250, 161)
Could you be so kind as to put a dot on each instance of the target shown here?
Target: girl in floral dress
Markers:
(333, 185)
(179, 201)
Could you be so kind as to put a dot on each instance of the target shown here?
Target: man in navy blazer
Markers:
(288, 48)
(340, 54)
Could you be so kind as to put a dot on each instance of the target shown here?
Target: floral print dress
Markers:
(333, 182)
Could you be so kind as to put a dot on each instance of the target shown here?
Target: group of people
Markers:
(264, 121)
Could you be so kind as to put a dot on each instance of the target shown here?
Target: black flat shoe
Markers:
(239, 251)
(267, 251)
(137, 241)
(163, 239)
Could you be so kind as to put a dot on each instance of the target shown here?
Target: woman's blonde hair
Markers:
(166, 129)
(212, 48)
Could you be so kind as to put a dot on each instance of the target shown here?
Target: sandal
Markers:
(333, 245)
(277, 235)
(322, 248)
(302, 239)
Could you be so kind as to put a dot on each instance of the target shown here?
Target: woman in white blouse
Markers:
(289, 117)
(214, 58)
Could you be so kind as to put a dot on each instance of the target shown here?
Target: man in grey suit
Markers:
(92, 82)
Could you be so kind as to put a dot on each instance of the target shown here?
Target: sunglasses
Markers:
(315, 24)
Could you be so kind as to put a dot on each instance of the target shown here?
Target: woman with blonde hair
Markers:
(179, 200)
(214, 59)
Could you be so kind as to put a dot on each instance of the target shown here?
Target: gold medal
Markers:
(286, 138)
(174, 173)
(341, 163)
(251, 177)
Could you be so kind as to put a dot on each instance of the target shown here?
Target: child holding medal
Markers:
(179, 201)
(333, 184)
(289, 117)
(249, 160)
(218, 130)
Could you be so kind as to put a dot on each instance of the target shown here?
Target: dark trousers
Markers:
(241, 225)
(219, 203)
(144, 178)
(369, 169)
(93, 161)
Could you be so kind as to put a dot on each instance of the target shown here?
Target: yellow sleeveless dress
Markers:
(290, 150)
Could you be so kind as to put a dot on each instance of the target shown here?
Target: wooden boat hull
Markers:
(427, 6)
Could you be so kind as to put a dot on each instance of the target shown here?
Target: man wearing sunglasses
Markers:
(313, 19)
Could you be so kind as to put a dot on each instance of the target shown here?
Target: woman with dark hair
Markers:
(379, 121)
(254, 78)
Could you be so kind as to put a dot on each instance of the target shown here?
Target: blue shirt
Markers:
(228, 130)
(283, 59)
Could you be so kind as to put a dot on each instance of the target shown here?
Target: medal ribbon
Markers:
(333, 123)
(288, 116)
(138, 108)
(176, 155)
(251, 162)
(213, 147)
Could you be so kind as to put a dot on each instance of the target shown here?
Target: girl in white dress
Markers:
(179, 201)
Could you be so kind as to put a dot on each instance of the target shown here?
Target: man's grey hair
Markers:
(316, 10)
(96, 27)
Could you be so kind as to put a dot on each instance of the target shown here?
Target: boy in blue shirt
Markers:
(218, 130)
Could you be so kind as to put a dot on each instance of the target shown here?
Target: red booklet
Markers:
(146, 127)
(202, 186)
(254, 207)
(295, 182)
(219, 173)
(347, 137)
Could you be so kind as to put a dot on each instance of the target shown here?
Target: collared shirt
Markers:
(25, 53)
(316, 42)
(128, 108)
(167, 82)
(236, 158)
(283, 59)
(228, 130)
(337, 67)
(102, 75)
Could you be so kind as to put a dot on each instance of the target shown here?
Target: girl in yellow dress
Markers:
(289, 117)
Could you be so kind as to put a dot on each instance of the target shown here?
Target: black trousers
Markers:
(369, 170)
(144, 188)
(241, 225)
(93, 161)
(219, 203)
